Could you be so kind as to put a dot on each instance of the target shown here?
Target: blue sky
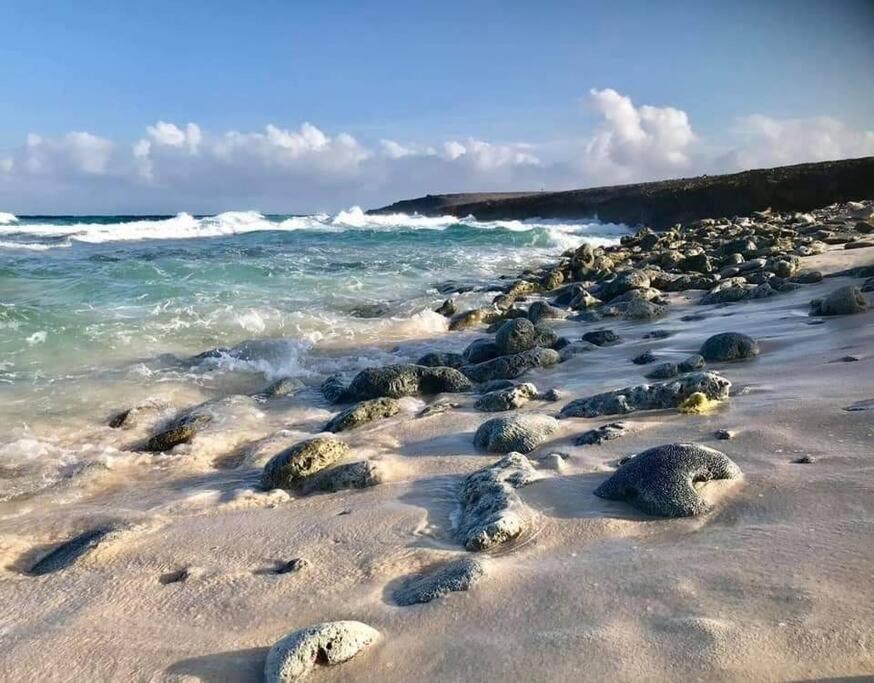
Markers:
(516, 76)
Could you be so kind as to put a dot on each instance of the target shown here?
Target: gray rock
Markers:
(599, 435)
(442, 360)
(729, 346)
(495, 385)
(69, 552)
(396, 381)
(362, 413)
(481, 350)
(451, 577)
(516, 336)
(295, 656)
(136, 415)
(540, 310)
(509, 367)
(723, 434)
(868, 285)
(284, 386)
(522, 433)
(289, 468)
(644, 358)
(663, 371)
(552, 395)
(649, 396)
(692, 363)
(638, 309)
(842, 301)
(506, 399)
(478, 316)
(181, 430)
(660, 481)
(446, 309)
(727, 295)
(602, 338)
(630, 279)
(334, 389)
(491, 511)
(354, 475)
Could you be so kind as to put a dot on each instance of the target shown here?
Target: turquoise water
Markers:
(99, 313)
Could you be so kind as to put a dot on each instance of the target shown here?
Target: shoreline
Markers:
(590, 587)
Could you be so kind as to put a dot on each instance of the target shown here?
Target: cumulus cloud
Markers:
(765, 141)
(636, 142)
(175, 166)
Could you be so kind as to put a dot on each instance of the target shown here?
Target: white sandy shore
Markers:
(776, 584)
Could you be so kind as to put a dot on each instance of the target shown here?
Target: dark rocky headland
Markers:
(663, 203)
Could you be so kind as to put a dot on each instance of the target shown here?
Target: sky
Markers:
(295, 107)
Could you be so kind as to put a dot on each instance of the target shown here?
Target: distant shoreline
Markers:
(664, 203)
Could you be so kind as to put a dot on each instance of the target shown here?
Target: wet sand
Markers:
(775, 584)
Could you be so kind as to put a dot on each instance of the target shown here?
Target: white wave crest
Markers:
(186, 226)
(7, 218)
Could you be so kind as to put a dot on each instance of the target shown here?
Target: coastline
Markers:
(767, 585)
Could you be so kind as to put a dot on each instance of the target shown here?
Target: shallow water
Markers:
(96, 312)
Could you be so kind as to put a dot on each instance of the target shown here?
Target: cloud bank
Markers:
(176, 166)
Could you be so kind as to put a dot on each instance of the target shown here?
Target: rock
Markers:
(649, 396)
(481, 350)
(658, 334)
(136, 415)
(599, 435)
(554, 461)
(697, 404)
(692, 363)
(436, 582)
(509, 367)
(522, 433)
(644, 358)
(638, 309)
(723, 434)
(842, 301)
(397, 381)
(446, 309)
(663, 371)
(290, 467)
(292, 566)
(70, 551)
(354, 475)
(490, 509)
(727, 295)
(630, 279)
(540, 310)
(697, 263)
(868, 285)
(477, 316)
(516, 336)
(181, 430)
(442, 360)
(729, 346)
(804, 460)
(506, 399)
(660, 481)
(438, 408)
(495, 385)
(295, 656)
(334, 389)
(284, 386)
(575, 348)
(362, 413)
(552, 395)
(602, 338)
(583, 300)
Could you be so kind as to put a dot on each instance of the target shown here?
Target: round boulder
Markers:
(520, 433)
(729, 346)
(290, 467)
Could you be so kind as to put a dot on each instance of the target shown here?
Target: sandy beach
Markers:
(773, 583)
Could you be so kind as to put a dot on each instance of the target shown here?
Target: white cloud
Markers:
(764, 141)
(636, 143)
(175, 167)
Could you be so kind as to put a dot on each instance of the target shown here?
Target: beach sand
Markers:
(774, 584)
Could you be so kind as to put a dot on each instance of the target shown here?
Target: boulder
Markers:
(649, 396)
(288, 469)
(602, 338)
(663, 371)
(521, 433)
(506, 399)
(491, 512)
(599, 435)
(509, 367)
(629, 279)
(135, 416)
(842, 301)
(518, 335)
(180, 430)
(436, 582)
(660, 481)
(362, 413)
(540, 310)
(354, 475)
(295, 656)
(472, 318)
(397, 381)
(481, 350)
(644, 358)
(442, 360)
(729, 346)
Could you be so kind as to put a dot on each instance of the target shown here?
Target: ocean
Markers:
(98, 310)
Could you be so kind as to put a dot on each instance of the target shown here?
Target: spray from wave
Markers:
(230, 223)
